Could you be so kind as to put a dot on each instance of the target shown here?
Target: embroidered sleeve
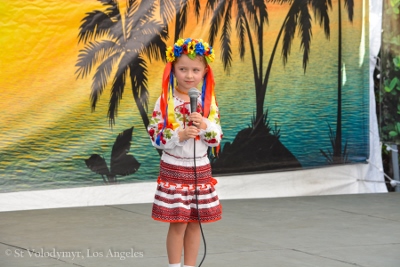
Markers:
(212, 135)
(166, 138)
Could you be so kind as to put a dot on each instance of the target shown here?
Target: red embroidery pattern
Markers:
(175, 199)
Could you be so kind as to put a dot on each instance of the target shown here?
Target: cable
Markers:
(197, 201)
(392, 181)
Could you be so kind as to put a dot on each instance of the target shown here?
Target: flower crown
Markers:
(191, 48)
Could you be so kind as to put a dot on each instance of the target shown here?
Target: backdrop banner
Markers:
(79, 79)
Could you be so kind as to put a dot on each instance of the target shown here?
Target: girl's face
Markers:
(189, 72)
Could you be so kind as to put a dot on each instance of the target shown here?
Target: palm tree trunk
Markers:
(271, 60)
(337, 151)
(257, 79)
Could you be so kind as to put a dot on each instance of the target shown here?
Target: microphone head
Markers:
(193, 92)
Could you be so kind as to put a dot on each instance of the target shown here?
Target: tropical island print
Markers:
(291, 84)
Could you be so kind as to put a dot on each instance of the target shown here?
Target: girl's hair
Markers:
(201, 58)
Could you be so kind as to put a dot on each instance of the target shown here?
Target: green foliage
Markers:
(395, 6)
(395, 40)
(396, 62)
(392, 84)
(343, 156)
(264, 121)
(389, 98)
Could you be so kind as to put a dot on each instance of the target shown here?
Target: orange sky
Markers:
(38, 55)
(39, 50)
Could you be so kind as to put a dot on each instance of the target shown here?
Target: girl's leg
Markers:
(191, 243)
(175, 236)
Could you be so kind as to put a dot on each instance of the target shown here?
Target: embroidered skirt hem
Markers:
(175, 198)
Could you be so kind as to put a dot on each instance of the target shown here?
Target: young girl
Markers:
(180, 134)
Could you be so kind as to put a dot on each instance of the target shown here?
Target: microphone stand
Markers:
(196, 192)
(193, 94)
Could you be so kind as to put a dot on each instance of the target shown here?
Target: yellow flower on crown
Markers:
(180, 42)
(191, 48)
(170, 54)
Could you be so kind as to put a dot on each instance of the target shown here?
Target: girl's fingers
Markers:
(192, 131)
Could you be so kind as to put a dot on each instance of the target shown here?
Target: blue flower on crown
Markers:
(178, 50)
(199, 49)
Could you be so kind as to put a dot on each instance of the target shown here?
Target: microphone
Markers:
(193, 94)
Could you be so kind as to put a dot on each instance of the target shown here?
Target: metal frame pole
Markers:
(395, 164)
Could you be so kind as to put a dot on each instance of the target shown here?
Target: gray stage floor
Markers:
(320, 231)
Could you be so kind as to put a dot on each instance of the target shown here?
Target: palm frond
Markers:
(108, 2)
(146, 37)
(262, 121)
(98, 23)
(132, 5)
(112, 9)
(155, 46)
(345, 155)
(261, 8)
(92, 54)
(138, 75)
(197, 8)
(167, 11)
(138, 14)
(305, 33)
(289, 31)
(101, 77)
(132, 19)
(211, 7)
(215, 21)
(146, 10)
(182, 15)
(349, 4)
(330, 155)
(117, 88)
(280, 1)
(241, 33)
(321, 9)
(251, 12)
(95, 24)
(226, 50)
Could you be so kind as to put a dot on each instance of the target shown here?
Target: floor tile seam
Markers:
(125, 210)
(343, 247)
(365, 215)
(243, 251)
(245, 238)
(325, 257)
(32, 252)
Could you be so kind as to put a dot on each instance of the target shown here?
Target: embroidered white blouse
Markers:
(181, 153)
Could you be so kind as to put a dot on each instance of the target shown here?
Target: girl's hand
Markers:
(188, 133)
(197, 120)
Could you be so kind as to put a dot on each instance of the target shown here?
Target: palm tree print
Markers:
(256, 13)
(180, 11)
(120, 37)
(338, 156)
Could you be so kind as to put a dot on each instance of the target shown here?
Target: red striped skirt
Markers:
(175, 199)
